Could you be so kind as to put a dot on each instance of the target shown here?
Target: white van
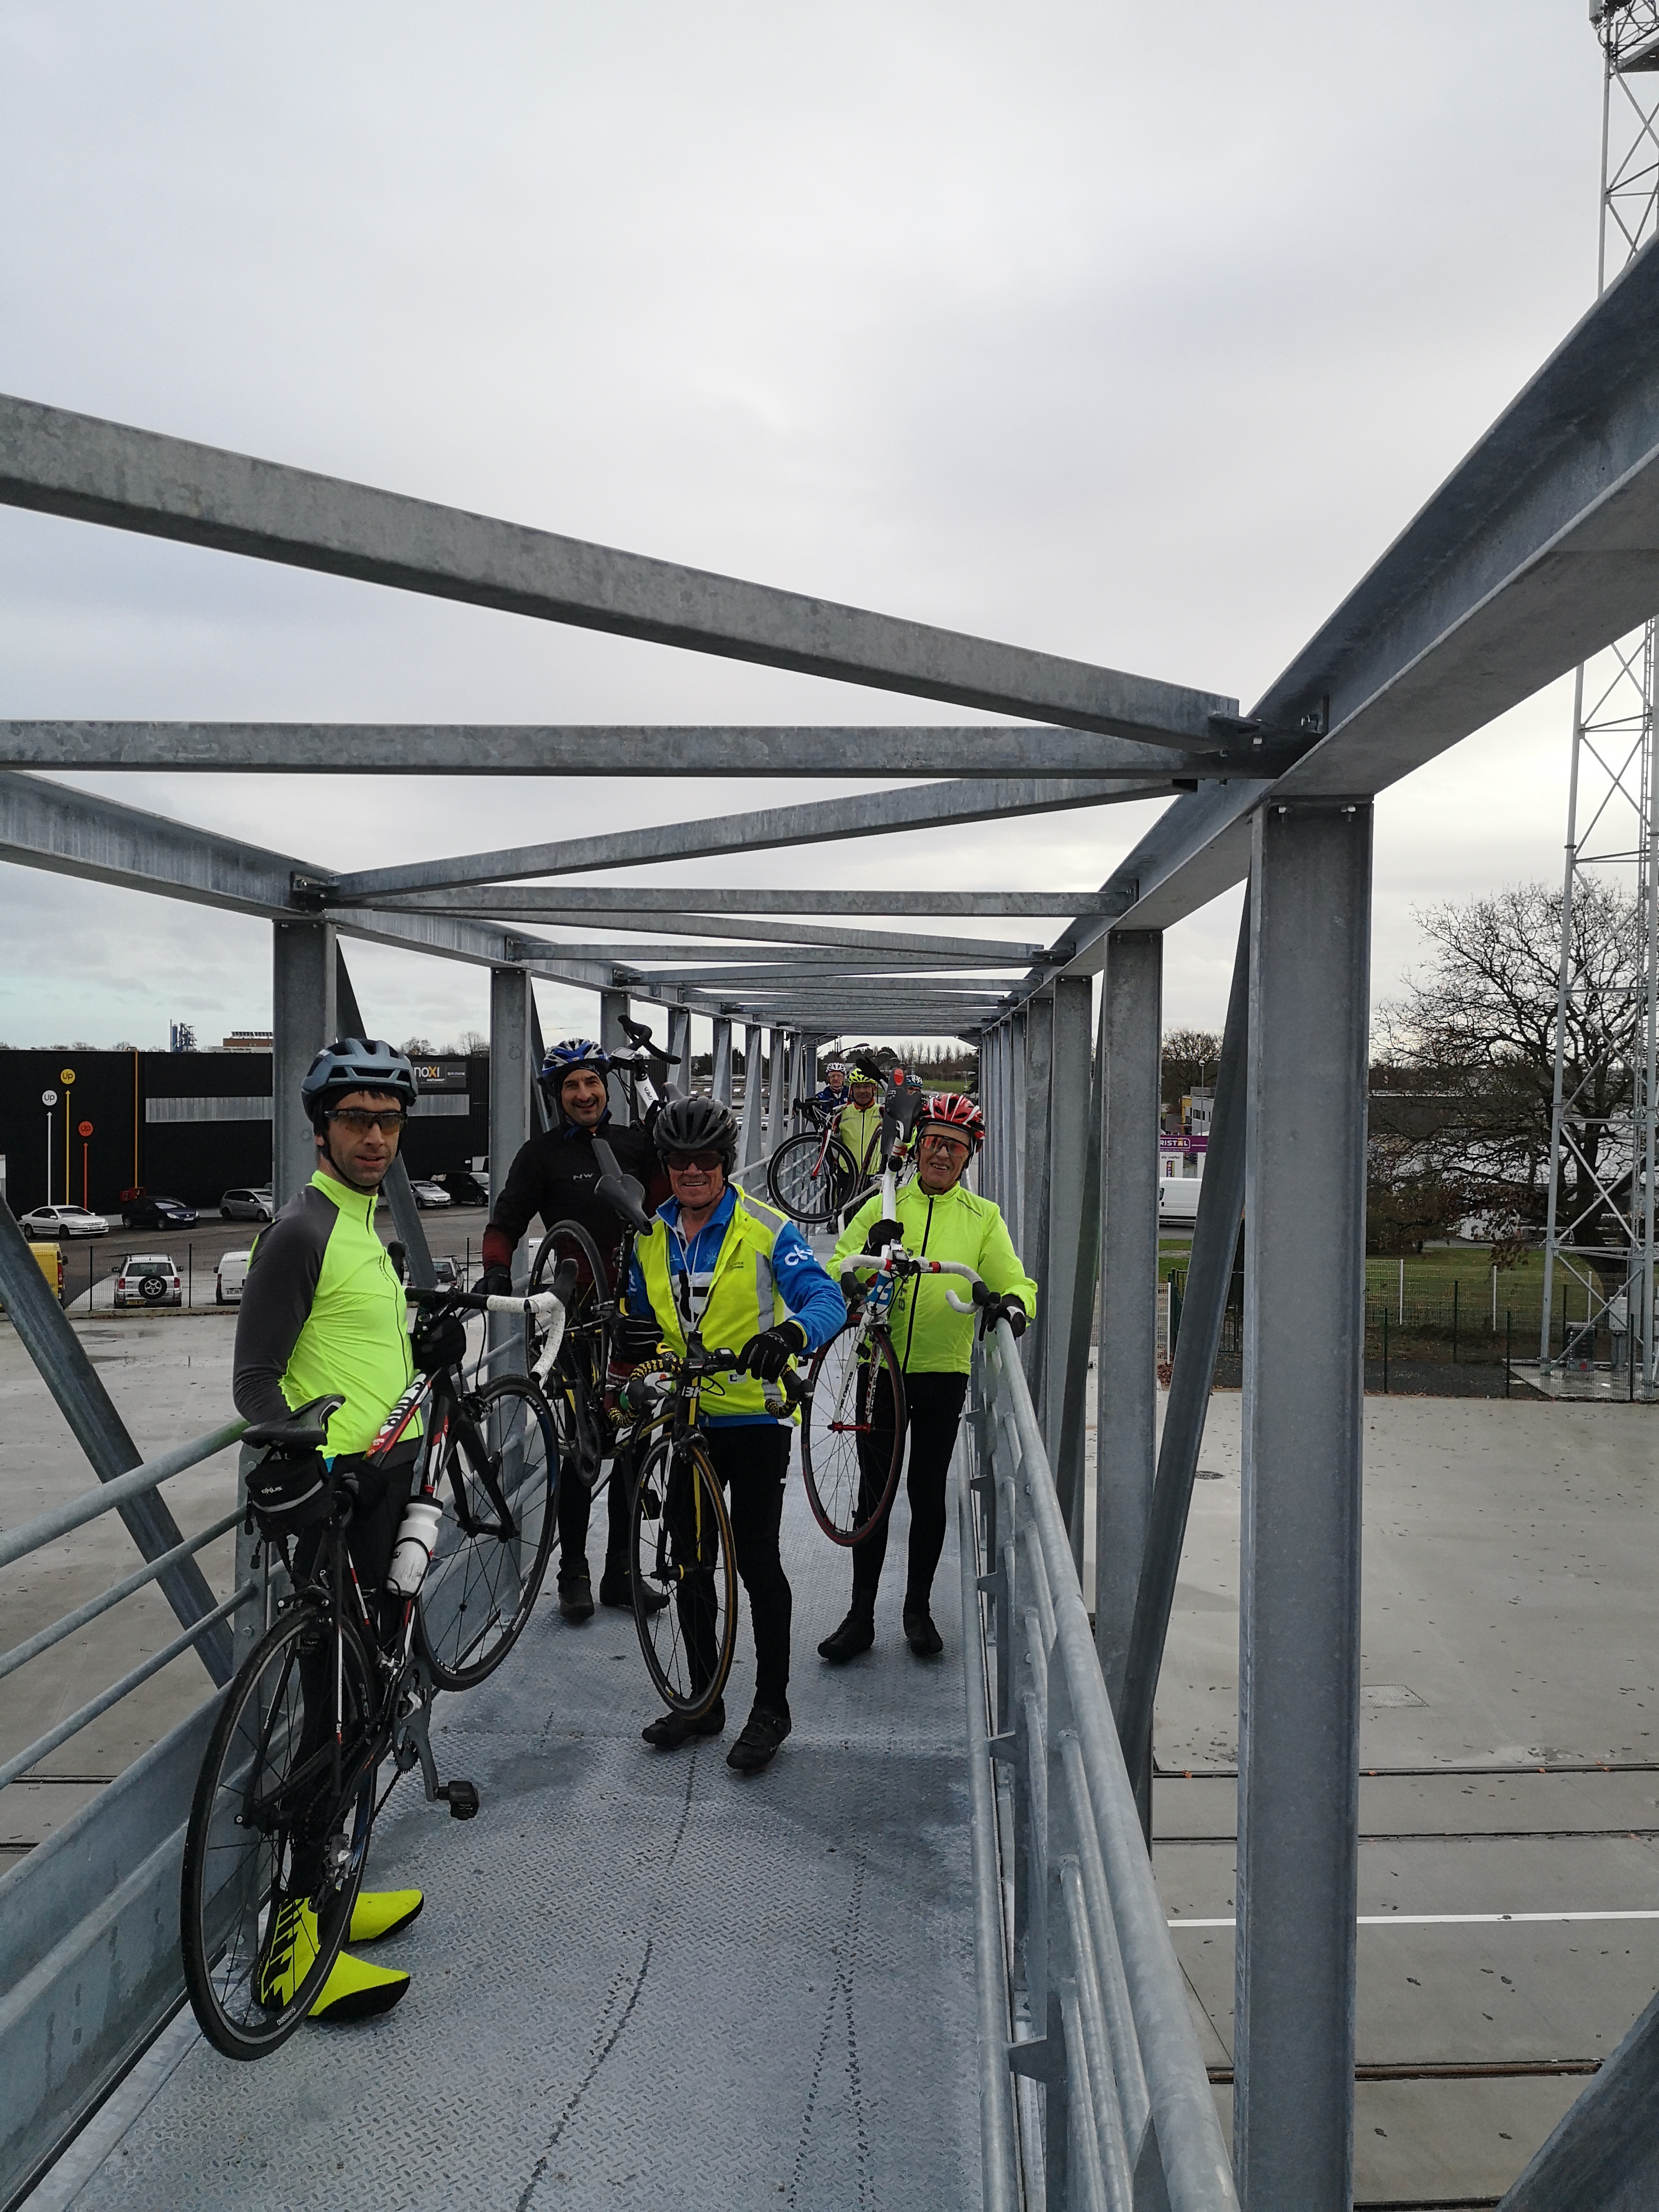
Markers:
(230, 1277)
(1177, 1200)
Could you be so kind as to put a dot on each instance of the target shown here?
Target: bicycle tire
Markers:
(697, 1578)
(484, 1581)
(811, 1194)
(850, 1475)
(584, 1349)
(240, 1863)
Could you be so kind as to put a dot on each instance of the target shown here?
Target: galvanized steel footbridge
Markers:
(923, 1959)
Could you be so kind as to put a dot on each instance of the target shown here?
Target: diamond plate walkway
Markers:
(639, 1980)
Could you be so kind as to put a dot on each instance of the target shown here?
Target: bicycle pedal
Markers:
(462, 1799)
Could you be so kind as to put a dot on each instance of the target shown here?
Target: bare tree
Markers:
(1470, 1048)
(1190, 1061)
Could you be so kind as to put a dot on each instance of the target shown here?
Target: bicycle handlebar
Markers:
(895, 1261)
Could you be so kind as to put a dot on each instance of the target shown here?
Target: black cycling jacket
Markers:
(556, 1176)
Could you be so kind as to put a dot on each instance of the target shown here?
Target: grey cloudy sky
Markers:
(1130, 332)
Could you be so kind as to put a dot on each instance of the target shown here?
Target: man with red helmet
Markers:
(936, 1219)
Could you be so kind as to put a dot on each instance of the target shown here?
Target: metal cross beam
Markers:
(546, 904)
(60, 463)
(566, 901)
(609, 748)
(868, 814)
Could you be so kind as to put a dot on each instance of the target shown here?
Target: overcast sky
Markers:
(1133, 331)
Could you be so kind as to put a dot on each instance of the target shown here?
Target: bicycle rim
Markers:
(486, 1573)
(681, 1554)
(809, 1181)
(267, 1834)
(578, 1373)
(852, 1437)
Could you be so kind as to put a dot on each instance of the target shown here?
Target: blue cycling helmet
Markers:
(569, 1054)
(356, 1064)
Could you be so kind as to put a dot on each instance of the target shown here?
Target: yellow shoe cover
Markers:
(357, 1990)
(380, 1912)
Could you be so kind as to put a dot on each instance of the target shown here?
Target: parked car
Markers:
(149, 1279)
(157, 1213)
(430, 1194)
(228, 1278)
(49, 1258)
(249, 1205)
(446, 1274)
(64, 1221)
(463, 1186)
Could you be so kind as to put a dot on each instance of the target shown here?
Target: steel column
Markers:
(613, 1012)
(1126, 1420)
(1209, 1276)
(509, 1071)
(1015, 1208)
(1034, 1226)
(720, 1081)
(679, 1047)
(749, 1140)
(1298, 1751)
(1066, 1290)
(303, 1020)
(776, 1079)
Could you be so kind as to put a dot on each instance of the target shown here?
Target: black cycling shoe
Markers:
(618, 1589)
(671, 1729)
(757, 1746)
(920, 1633)
(576, 1597)
(856, 1633)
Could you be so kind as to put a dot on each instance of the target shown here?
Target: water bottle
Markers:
(412, 1553)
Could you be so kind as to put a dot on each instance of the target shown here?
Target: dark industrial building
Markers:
(187, 1125)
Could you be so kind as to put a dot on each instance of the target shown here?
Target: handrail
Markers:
(1088, 1966)
(75, 1512)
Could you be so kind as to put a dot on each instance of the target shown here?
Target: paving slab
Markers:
(640, 1980)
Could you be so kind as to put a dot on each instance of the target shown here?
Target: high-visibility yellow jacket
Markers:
(860, 1131)
(929, 1337)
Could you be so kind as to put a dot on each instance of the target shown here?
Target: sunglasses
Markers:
(951, 1145)
(360, 1120)
(682, 1162)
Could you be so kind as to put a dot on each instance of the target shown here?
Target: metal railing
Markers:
(1094, 2093)
(60, 1520)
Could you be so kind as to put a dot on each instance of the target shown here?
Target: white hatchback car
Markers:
(149, 1279)
(230, 1277)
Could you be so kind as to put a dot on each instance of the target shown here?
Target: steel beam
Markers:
(59, 462)
(47, 1335)
(1125, 1421)
(749, 1140)
(568, 900)
(720, 1081)
(549, 902)
(867, 814)
(509, 1074)
(777, 1117)
(1034, 1199)
(679, 1046)
(1603, 2155)
(1069, 1277)
(304, 1018)
(608, 749)
(1209, 1278)
(1298, 1750)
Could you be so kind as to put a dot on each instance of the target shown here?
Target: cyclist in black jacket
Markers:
(556, 1176)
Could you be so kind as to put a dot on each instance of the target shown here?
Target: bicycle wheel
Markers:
(809, 1181)
(852, 1433)
(681, 1550)
(274, 1852)
(584, 1350)
(487, 1568)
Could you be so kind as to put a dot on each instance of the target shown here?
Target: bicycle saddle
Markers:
(307, 1430)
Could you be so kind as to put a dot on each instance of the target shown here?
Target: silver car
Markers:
(64, 1221)
(249, 1205)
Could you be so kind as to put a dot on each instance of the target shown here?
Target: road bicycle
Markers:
(343, 1678)
(853, 1429)
(812, 1176)
(685, 1577)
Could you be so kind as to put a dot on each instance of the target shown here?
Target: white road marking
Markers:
(1446, 1919)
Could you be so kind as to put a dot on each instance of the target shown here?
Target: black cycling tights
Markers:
(934, 1402)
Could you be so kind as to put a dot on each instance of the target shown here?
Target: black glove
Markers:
(766, 1356)
(1006, 1307)
(883, 1233)
(495, 1283)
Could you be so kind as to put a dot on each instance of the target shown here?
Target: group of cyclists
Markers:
(324, 1312)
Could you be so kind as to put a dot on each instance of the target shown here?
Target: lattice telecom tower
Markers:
(1599, 1241)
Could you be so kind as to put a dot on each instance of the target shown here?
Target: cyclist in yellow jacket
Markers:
(938, 1219)
(746, 1277)
(858, 1123)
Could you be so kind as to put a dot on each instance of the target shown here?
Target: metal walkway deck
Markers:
(640, 1980)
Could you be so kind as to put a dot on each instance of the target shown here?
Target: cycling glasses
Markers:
(679, 1162)
(936, 1142)
(360, 1120)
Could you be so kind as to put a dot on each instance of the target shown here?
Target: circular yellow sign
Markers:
(66, 1075)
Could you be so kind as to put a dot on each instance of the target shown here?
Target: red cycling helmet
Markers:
(952, 1109)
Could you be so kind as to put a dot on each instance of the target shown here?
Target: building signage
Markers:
(440, 1074)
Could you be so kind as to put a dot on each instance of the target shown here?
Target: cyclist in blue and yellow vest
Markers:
(743, 1275)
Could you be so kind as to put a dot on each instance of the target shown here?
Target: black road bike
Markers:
(286, 1799)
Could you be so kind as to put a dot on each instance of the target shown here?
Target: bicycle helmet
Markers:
(356, 1064)
(698, 1125)
(862, 1075)
(571, 1053)
(954, 1111)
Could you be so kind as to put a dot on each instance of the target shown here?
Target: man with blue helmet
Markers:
(556, 1176)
